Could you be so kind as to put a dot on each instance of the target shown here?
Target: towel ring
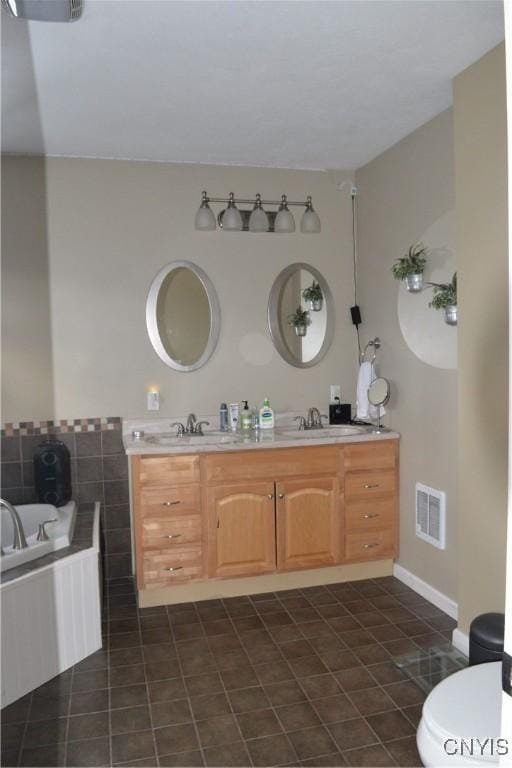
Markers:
(375, 345)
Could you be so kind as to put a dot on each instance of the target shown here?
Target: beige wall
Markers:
(481, 195)
(110, 227)
(27, 370)
(403, 193)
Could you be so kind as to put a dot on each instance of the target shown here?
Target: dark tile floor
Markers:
(302, 678)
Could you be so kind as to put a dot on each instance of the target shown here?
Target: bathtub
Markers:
(60, 532)
(50, 613)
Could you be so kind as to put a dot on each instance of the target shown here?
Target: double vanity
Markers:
(219, 514)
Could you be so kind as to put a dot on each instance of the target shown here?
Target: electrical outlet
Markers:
(153, 400)
(335, 390)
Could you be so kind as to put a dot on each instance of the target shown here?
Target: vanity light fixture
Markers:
(284, 221)
(233, 219)
(310, 223)
(205, 217)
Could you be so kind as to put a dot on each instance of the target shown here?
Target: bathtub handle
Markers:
(41, 534)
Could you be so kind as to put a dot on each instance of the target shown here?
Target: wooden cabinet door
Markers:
(308, 523)
(242, 529)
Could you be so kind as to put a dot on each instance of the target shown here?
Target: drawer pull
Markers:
(271, 496)
(370, 517)
(176, 568)
(371, 485)
(172, 536)
(170, 503)
(370, 546)
(281, 495)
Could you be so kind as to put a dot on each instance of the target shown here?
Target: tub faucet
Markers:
(20, 541)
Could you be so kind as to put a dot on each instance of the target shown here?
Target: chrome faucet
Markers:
(193, 427)
(20, 541)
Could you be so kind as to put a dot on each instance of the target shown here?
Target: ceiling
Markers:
(281, 84)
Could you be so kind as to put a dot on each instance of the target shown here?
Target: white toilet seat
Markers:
(465, 706)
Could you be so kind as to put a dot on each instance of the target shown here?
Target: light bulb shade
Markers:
(284, 221)
(205, 219)
(232, 220)
(310, 222)
(258, 220)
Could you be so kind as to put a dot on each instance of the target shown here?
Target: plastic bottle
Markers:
(266, 415)
(223, 417)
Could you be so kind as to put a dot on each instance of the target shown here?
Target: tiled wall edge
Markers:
(23, 428)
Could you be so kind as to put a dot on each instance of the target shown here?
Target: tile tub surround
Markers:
(299, 677)
(99, 472)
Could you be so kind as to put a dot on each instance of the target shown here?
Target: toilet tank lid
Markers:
(466, 704)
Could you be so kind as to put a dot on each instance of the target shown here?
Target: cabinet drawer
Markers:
(279, 462)
(164, 568)
(370, 546)
(366, 485)
(378, 455)
(158, 533)
(369, 515)
(160, 501)
(169, 470)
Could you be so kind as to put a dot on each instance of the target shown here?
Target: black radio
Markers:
(340, 413)
(52, 473)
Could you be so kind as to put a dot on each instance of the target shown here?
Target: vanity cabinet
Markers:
(244, 513)
(242, 527)
(371, 500)
(308, 522)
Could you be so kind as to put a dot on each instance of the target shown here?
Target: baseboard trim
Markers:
(460, 641)
(424, 589)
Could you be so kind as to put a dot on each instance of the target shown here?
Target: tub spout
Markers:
(20, 541)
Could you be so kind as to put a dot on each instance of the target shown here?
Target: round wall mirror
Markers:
(183, 316)
(301, 315)
(378, 392)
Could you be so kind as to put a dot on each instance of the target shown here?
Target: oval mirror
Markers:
(183, 316)
(301, 315)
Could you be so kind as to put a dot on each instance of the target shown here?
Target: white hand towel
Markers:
(365, 411)
(364, 379)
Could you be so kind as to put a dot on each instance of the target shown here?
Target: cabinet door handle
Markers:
(176, 568)
(170, 503)
(370, 517)
(172, 536)
(270, 495)
(281, 495)
(370, 546)
(371, 485)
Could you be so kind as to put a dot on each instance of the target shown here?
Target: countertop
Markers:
(279, 437)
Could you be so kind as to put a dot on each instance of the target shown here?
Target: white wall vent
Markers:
(431, 515)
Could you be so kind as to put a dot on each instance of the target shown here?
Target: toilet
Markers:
(462, 712)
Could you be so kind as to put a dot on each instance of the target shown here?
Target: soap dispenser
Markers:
(266, 415)
(246, 417)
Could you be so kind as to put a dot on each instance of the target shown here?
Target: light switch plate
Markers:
(335, 392)
(153, 401)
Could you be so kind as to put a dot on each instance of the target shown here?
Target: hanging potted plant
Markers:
(313, 294)
(299, 320)
(410, 268)
(445, 297)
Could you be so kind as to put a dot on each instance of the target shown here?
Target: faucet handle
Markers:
(41, 534)
(301, 420)
(322, 416)
(198, 429)
(180, 428)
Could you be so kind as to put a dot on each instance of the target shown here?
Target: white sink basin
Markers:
(330, 431)
(210, 438)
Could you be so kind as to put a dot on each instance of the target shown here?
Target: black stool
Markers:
(486, 636)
